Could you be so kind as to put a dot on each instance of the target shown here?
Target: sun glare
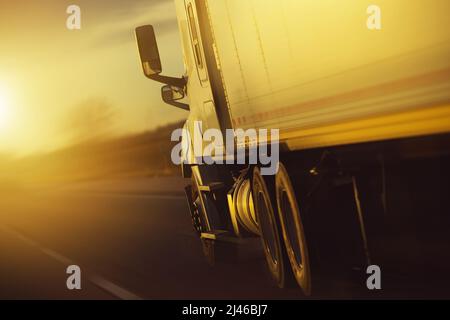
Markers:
(4, 109)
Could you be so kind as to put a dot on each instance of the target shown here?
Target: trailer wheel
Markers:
(269, 227)
(293, 230)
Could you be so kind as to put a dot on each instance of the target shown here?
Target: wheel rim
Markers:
(292, 229)
(271, 238)
(267, 229)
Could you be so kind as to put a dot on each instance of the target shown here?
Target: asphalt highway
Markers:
(133, 239)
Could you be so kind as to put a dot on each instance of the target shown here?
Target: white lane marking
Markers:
(113, 288)
(58, 257)
(19, 236)
(97, 280)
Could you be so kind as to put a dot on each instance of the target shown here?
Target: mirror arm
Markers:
(180, 105)
(176, 82)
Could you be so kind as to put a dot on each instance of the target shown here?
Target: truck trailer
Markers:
(363, 122)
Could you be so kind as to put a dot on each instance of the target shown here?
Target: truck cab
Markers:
(360, 113)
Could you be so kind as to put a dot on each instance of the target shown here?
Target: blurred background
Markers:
(74, 103)
(85, 170)
(86, 176)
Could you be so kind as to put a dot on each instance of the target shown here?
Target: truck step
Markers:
(211, 187)
(220, 235)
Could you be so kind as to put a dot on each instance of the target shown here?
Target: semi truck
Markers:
(363, 116)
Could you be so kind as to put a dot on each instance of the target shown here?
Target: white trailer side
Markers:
(314, 70)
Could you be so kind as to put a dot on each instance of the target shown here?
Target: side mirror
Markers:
(148, 50)
(150, 59)
(171, 95)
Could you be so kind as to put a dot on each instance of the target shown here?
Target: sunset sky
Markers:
(58, 85)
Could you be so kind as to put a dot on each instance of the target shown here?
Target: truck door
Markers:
(208, 91)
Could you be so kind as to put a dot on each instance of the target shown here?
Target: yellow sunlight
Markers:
(5, 109)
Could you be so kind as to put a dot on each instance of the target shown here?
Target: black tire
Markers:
(269, 225)
(293, 230)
